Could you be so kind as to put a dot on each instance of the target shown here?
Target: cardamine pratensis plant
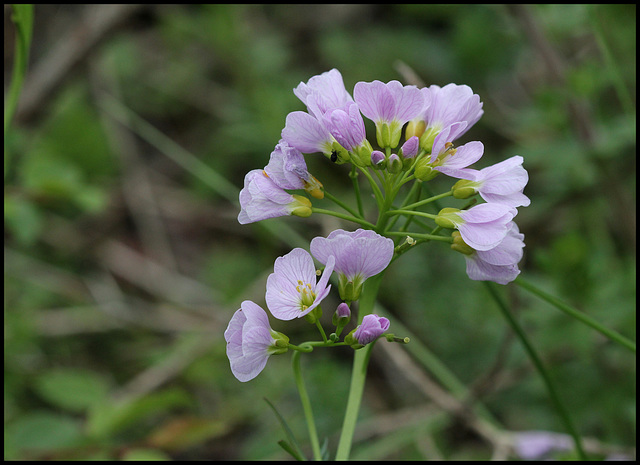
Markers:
(416, 131)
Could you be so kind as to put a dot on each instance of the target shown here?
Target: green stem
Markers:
(414, 192)
(321, 329)
(360, 221)
(23, 19)
(341, 204)
(410, 212)
(374, 185)
(429, 200)
(614, 336)
(356, 188)
(612, 67)
(306, 406)
(358, 376)
(430, 237)
(555, 399)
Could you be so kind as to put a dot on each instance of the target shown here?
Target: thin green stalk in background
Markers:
(359, 373)
(609, 333)
(23, 18)
(306, 406)
(618, 82)
(555, 399)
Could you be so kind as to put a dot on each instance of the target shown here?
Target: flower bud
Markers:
(343, 312)
(371, 328)
(378, 159)
(301, 206)
(361, 155)
(394, 164)
(341, 317)
(448, 217)
(464, 189)
(460, 245)
(410, 148)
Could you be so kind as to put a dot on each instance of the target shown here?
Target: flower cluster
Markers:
(416, 132)
(293, 292)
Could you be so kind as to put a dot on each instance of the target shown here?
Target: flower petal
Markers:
(305, 133)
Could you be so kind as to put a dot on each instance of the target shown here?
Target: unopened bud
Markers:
(410, 148)
(448, 217)
(341, 317)
(361, 155)
(459, 245)
(378, 159)
(342, 312)
(301, 206)
(464, 189)
(394, 164)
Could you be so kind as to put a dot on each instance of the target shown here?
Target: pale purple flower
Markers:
(482, 227)
(292, 291)
(386, 103)
(261, 198)
(390, 105)
(450, 104)
(372, 327)
(451, 160)
(307, 134)
(503, 182)
(346, 126)
(288, 170)
(331, 116)
(499, 264)
(250, 341)
(358, 255)
(535, 445)
(323, 92)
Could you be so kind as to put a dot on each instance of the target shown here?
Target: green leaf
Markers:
(291, 446)
(23, 218)
(108, 418)
(41, 431)
(72, 389)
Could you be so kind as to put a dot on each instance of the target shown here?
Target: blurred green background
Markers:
(124, 260)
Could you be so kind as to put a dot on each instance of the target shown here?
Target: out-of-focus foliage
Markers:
(124, 260)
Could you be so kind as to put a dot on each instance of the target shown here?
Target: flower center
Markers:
(307, 296)
(449, 151)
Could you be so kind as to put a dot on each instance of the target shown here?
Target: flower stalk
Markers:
(359, 373)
